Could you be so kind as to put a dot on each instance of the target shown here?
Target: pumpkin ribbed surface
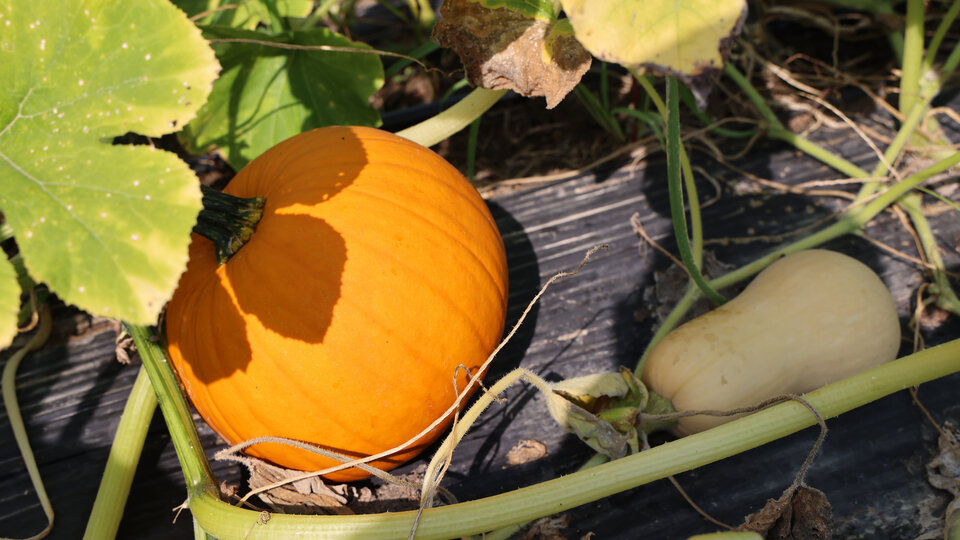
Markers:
(375, 271)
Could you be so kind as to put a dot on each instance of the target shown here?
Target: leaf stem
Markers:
(689, 181)
(122, 461)
(675, 174)
(8, 386)
(946, 297)
(437, 128)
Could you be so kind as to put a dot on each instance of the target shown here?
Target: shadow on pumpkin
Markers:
(287, 278)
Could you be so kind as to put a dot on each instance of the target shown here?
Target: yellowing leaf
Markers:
(688, 39)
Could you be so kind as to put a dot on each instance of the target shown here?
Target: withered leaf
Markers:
(504, 48)
(801, 513)
(307, 496)
(943, 472)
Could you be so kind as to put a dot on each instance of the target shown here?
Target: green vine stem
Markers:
(912, 62)
(122, 461)
(12, 406)
(176, 413)
(225, 521)
(946, 297)
(462, 114)
(777, 130)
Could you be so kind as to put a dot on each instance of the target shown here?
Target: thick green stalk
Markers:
(912, 63)
(462, 114)
(122, 461)
(227, 522)
(196, 469)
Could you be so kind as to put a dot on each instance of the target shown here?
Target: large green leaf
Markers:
(106, 227)
(267, 94)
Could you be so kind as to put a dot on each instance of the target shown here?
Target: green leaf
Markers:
(267, 94)
(106, 227)
(688, 39)
(9, 302)
(246, 14)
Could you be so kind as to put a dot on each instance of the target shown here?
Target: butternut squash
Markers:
(808, 319)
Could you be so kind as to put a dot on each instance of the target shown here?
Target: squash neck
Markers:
(227, 220)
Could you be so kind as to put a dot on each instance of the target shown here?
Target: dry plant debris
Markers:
(526, 451)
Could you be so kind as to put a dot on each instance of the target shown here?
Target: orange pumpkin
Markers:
(375, 271)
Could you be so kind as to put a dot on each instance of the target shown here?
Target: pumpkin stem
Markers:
(227, 220)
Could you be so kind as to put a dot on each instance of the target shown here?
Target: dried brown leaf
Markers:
(803, 513)
(503, 49)
(943, 472)
(307, 496)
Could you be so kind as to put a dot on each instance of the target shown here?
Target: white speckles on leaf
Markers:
(43, 44)
(146, 56)
(81, 289)
(80, 82)
(134, 237)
